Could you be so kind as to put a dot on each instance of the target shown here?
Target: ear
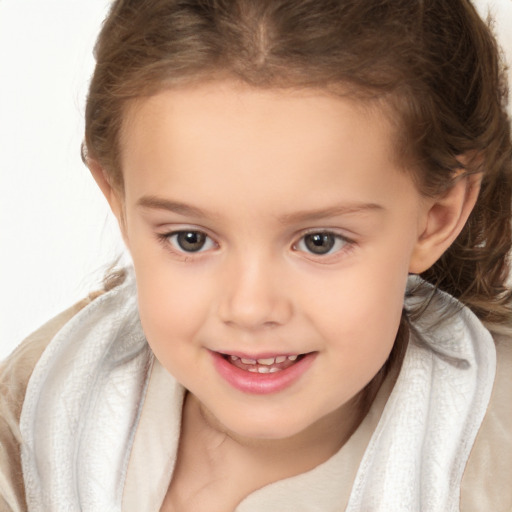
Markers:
(445, 216)
(112, 196)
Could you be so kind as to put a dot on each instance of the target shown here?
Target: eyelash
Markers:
(340, 243)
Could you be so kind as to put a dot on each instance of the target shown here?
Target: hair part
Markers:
(433, 65)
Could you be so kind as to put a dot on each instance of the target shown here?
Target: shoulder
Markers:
(486, 482)
(15, 372)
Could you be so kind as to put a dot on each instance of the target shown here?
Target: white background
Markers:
(56, 234)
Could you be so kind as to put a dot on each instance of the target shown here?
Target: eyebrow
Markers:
(184, 209)
(160, 203)
(335, 211)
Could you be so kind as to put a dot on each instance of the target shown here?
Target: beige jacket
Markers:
(486, 486)
(15, 372)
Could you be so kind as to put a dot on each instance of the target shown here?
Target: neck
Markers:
(288, 456)
(214, 463)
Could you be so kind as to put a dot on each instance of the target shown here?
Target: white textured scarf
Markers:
(417, 455)
(82, 406)
(85, 396)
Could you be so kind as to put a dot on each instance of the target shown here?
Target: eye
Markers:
(190, 241)
(321, 243)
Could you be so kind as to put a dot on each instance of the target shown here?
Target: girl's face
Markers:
(272, 233)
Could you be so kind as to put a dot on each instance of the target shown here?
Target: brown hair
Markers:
(435, 63)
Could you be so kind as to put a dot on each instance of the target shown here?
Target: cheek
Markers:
(172, 306)
(360, 313)
(170, 320)
(362, 338)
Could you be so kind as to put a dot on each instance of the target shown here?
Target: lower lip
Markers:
(261, 383)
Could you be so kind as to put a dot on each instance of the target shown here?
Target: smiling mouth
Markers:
(264, 365)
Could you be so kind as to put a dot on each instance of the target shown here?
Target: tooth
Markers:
(292, 358)
(253, 370)
(263, 369)
(267, 362)
(274, 370)
(234, 358)
(280, 359)
(248, 361)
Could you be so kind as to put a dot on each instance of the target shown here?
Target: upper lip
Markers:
(259, 355)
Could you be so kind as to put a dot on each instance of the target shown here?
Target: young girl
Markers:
(284, 173)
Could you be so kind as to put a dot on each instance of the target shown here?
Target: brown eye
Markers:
(323, 243)
(190, 241)
(319, 243)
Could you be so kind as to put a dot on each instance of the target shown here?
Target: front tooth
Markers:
(248, 361)
(253, 370)
(263, 369)
(280, 359)
(292, 358)
(268, 361)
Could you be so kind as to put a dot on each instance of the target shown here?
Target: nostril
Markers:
(256, 314)
(252, 299)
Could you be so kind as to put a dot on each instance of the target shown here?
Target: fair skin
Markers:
(269, 224)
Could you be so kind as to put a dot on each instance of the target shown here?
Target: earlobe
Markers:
(445, 217)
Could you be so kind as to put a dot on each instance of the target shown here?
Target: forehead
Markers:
(310, 113)
(234, 134)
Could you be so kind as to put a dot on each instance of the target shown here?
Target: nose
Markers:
(254, 296)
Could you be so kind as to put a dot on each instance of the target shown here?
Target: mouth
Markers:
(263, 365)
(262, 374)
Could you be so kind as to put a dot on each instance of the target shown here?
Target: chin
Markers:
(269, 428)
